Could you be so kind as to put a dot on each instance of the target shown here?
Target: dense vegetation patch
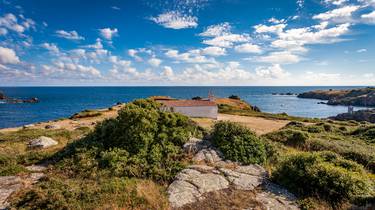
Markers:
(86, 114)
(141, 142)
(238, 143)
(323, 174)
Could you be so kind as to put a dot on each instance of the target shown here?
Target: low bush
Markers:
(235, 97)
(315, 129)
(141, 142)
(289, 137)
(86, 114)
(323, 174)
(365, 132)
(9, 166)
(238, 143)
(360, 153)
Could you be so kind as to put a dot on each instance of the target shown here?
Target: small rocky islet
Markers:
(10, 100)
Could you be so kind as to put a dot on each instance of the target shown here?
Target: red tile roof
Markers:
(181, 103)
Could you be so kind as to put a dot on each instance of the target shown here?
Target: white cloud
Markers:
(276, 21)
(3, 31)
(50, 47)
(342, 14)
(369, 18)
(8, 56)
(133, 53)
(335, 2)
(270, 29)
(217, 30)
(108, 33)
(71, 35)
(273, 72)
(168, 72)
(222, 36)
(155, 62)
(213, 51)
(247, 48)
(10, 22)
(283, 57)
(188, 57)
(361, 50)
(116, 8)
(176, 20)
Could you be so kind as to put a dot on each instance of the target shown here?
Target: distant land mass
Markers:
(353, 97)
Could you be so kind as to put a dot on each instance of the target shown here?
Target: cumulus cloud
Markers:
(168, 72)
(71, 35)
(11, 22)
(188, 57)
(155, 62)
(108, 33)
(283, 57)
(175, 20)
(270, 29)
(221, 36)
(8, 56)
(247, 48)
(50, 47)
(214, 51)
(369, 18)
(272, 72)
(342, 14)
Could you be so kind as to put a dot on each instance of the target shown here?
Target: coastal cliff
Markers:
(355, 97)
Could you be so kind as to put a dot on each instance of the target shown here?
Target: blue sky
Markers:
(187, 42)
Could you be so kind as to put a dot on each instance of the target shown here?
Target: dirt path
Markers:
(258, 124)
(71, 124)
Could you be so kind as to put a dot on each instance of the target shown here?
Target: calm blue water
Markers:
(57, 102)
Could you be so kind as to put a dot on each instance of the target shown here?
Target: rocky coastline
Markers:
(352, 97)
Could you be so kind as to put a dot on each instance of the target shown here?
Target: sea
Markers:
(60, 102)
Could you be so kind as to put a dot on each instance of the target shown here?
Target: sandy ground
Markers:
(73, 124)
(258, 124)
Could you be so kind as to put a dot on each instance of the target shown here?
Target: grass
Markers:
(14, 154)
(56, 192)
(281, 116)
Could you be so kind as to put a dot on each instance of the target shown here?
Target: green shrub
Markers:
(238, 143)
(289, 137)
(314, 129)
(141, 142)
(327, 127)
(323, 174)
(235, 97)
(86, 114)
(9, 166)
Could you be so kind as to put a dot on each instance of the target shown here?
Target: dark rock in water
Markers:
(360, 115)
(2, 96)
(321, 102)
(255, 109)
(21, 101)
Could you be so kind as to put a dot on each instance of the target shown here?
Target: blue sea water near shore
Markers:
(58, 102)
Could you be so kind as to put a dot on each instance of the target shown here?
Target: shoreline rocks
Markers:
(353, 97)
(360, 115)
